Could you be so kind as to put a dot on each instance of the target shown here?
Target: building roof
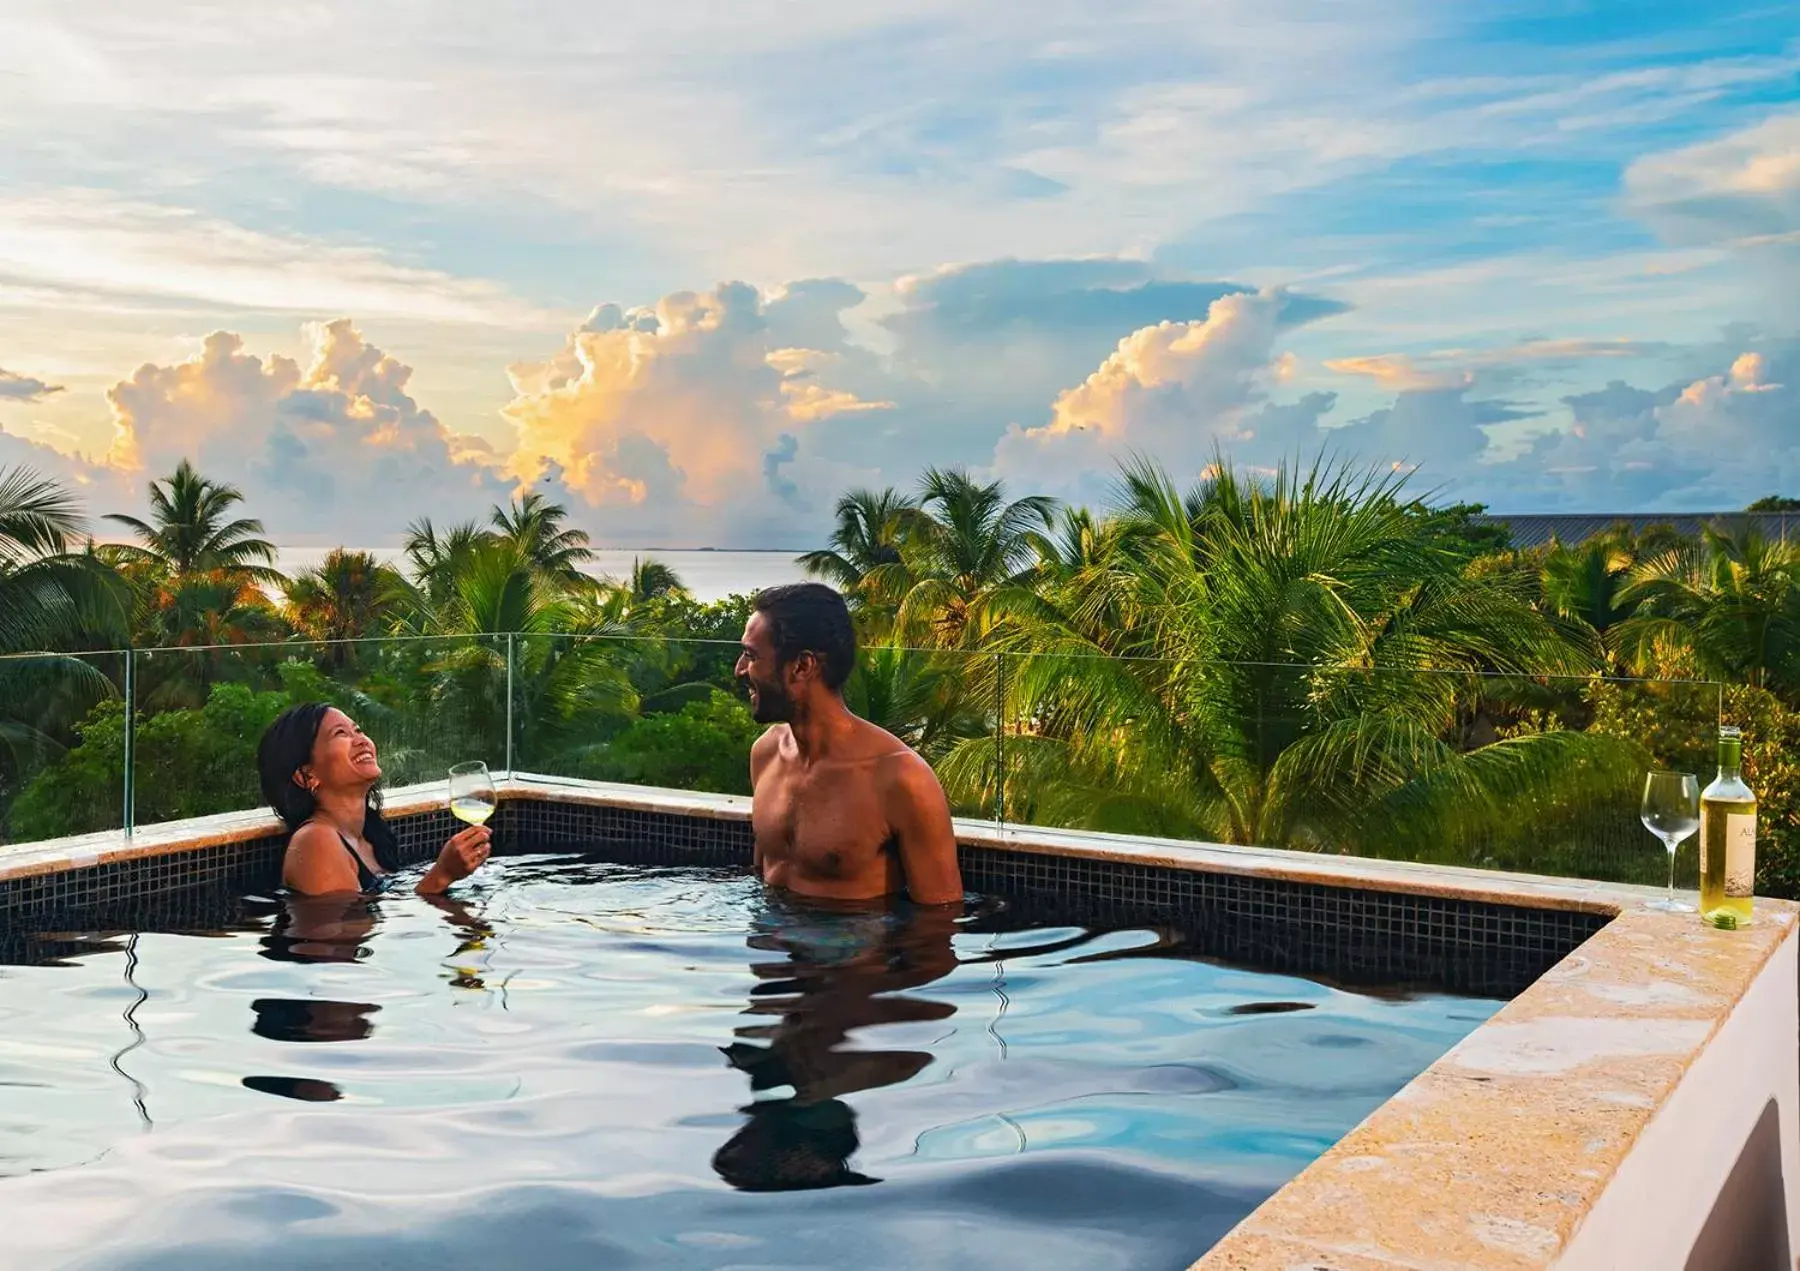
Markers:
(1570, 528)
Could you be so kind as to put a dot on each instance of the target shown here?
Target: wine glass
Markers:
(472, 795)
(1671, 811)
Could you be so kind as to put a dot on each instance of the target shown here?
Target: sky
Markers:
(697, 269)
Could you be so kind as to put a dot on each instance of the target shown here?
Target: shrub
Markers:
(1679, 725)
(189, 762)
(703, 746)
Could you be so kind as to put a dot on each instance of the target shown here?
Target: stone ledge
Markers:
(1493, 1156)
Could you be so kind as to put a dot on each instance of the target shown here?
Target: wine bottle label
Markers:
(1740, 853)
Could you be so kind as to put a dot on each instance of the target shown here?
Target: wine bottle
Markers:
(1727, 839)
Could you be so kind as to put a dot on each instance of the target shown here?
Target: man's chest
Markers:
(819, 817)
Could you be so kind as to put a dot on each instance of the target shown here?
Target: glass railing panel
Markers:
(426, 703)
(1531, 774)
(64, 729)
(671, 713)
(636, 710)
(1534, 774)
(944, 703)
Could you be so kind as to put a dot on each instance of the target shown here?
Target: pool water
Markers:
(588, 1064)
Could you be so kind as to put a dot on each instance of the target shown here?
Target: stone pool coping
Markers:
(1490, 1158)
(1447, 881)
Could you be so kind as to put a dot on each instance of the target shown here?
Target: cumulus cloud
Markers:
(1177, 391)
(734, 417)
(47, 461)
(1710, 444)
(23, 388)
(333, 450)
(977, 346)
(681, 418)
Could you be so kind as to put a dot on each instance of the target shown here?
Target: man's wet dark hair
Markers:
(286, 748)
(810, 618)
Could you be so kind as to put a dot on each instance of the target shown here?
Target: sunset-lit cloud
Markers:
(675, 405)
(1397, 372)
(333, 449)
(1458, 368)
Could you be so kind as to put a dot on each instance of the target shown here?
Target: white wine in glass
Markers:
(472, 796)
(1671, 811)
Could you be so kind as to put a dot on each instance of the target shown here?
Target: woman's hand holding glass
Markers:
(472, 799)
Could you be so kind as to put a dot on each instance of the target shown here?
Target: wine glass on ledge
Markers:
(1671, 811)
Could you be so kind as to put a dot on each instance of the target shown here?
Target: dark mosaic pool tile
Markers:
(630, 835)
(1356, 935)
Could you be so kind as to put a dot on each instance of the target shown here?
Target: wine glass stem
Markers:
(1671, 847)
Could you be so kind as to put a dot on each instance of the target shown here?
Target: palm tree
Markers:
(921, 697)
(200, 575)
(1589, 583)
(505, 621)
(189, 533)
(437, 559)
(965, 548)
(47, 594)
(650, 581)
(871, 528)
(347, 597)
(536, 527)
(1727, 606)
(49, 598)
(1279, 663)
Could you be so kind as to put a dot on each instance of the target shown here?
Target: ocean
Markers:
(710, 575)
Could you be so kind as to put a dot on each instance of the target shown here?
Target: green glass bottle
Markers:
(1727, 839)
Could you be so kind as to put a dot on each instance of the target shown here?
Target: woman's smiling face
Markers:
(341, 754)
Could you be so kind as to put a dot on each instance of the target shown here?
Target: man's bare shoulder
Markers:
(767, 748)
(897, 764)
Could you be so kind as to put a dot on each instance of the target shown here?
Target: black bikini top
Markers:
(368, 881)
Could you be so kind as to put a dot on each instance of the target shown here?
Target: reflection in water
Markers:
(337, 929)
(312, 929)
(321, 929)
(841, 970)
(139, 997)
(305, 1089)
(312, 1020)
(308, 1020)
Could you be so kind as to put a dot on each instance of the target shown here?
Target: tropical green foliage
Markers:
(1311, 658)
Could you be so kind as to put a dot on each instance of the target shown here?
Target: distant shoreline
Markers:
(598, 547)
(709, 573)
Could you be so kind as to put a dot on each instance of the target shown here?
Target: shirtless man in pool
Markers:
(842, 810)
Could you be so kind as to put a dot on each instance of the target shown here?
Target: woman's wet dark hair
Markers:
(286, 748)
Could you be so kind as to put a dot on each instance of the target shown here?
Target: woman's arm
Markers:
(461, 856)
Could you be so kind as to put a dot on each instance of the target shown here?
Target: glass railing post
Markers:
(1000, 739)
(128, 764)
(509, 704)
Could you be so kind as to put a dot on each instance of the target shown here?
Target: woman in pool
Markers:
(319, 774)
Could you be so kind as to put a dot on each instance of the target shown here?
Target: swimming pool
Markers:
(594, 1064)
